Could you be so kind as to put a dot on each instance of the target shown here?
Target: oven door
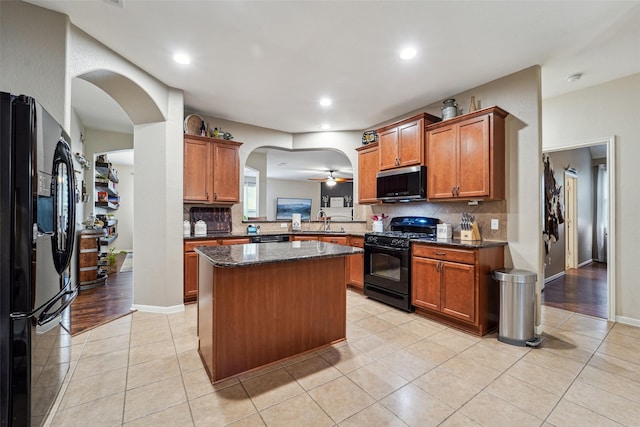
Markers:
(387, 267)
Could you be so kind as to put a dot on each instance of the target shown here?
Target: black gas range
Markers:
(387, 259)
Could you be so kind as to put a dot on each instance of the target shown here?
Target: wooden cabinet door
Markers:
(190, 276)
(196, 171)
(458, 291)
(442, 162)
(226, 173)
(425, 283)
(388, 149)
(411, 143)
(356, 264)
(367, 169)
(473, 152)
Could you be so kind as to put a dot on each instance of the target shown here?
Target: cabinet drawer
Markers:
(358, 242)
(236, 241)
(335, 240)
(445, 254)
(191, 246)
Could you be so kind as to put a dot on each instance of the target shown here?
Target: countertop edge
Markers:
(343, 251)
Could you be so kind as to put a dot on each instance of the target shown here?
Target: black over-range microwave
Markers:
(402, 184)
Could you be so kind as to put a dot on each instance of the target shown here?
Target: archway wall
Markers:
(143, 98)
(156, 112)
(40, 54)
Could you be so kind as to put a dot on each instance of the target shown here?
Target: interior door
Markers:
(571, 220)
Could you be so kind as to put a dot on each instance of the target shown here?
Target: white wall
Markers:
(284, 188)
(596, 113)
(33, 55)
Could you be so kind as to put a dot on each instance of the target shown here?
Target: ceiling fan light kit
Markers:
(330, 180)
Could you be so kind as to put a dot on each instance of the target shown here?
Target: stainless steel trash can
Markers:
(516, 323)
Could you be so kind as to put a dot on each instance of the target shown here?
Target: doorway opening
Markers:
(580, 264)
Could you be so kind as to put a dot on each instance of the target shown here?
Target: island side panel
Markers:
(205, 315)
(268, 312)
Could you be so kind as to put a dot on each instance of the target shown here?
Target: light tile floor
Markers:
(396, 369)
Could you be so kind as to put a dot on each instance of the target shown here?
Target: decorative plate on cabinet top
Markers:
(192, 124)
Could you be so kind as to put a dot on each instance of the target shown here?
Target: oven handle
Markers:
(385, 248)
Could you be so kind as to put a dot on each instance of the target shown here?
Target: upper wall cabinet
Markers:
(466, 156)
(367, 170)
(402, 143)
(211, 170)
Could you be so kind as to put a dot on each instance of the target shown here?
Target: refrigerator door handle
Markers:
(46, 317)
(47, 305)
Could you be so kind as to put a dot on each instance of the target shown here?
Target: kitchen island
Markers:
(261, 303)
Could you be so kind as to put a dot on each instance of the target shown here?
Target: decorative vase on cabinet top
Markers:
(449, 109)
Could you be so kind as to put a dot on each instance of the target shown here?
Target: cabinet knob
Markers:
(215, 196)
(453, 190)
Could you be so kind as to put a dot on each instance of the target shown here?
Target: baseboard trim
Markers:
(158, 309)
(582, 264)
(554, 277)
(628, 321)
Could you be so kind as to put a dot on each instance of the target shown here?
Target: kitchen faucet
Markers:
(327, 222)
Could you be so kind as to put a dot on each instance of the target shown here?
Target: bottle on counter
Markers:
(216, 133)
(203, 129)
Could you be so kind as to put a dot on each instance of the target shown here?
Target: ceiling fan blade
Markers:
(343, 179)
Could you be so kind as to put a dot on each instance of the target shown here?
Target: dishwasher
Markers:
(268, 238)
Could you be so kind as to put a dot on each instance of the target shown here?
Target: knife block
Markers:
(471, 235)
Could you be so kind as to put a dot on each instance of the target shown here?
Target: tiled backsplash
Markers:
(451, 213)
(448, 212)
(217, 219)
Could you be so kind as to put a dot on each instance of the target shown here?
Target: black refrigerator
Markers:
(37, 233)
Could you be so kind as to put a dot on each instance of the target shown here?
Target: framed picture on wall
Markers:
(287, 206)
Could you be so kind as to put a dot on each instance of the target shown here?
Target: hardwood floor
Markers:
(94, 307)
(582, 290)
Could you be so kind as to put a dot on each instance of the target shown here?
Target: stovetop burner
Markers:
(403, 229)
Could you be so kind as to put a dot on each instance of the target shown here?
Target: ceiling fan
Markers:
(331, 180)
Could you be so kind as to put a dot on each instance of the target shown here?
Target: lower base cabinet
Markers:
(455, 286)
(190, 276)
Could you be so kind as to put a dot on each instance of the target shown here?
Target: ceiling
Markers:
(267, 63)
(305, 164)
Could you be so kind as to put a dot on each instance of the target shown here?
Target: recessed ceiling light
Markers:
(325, 102)
(182, 58)
(408, 53)
(574, 77)
(325, 126)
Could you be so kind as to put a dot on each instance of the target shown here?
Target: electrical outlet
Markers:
(495, 224)
(283, 225)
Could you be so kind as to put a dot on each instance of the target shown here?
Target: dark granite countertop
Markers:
(470, 244)
(226, 235)
(264, 253)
